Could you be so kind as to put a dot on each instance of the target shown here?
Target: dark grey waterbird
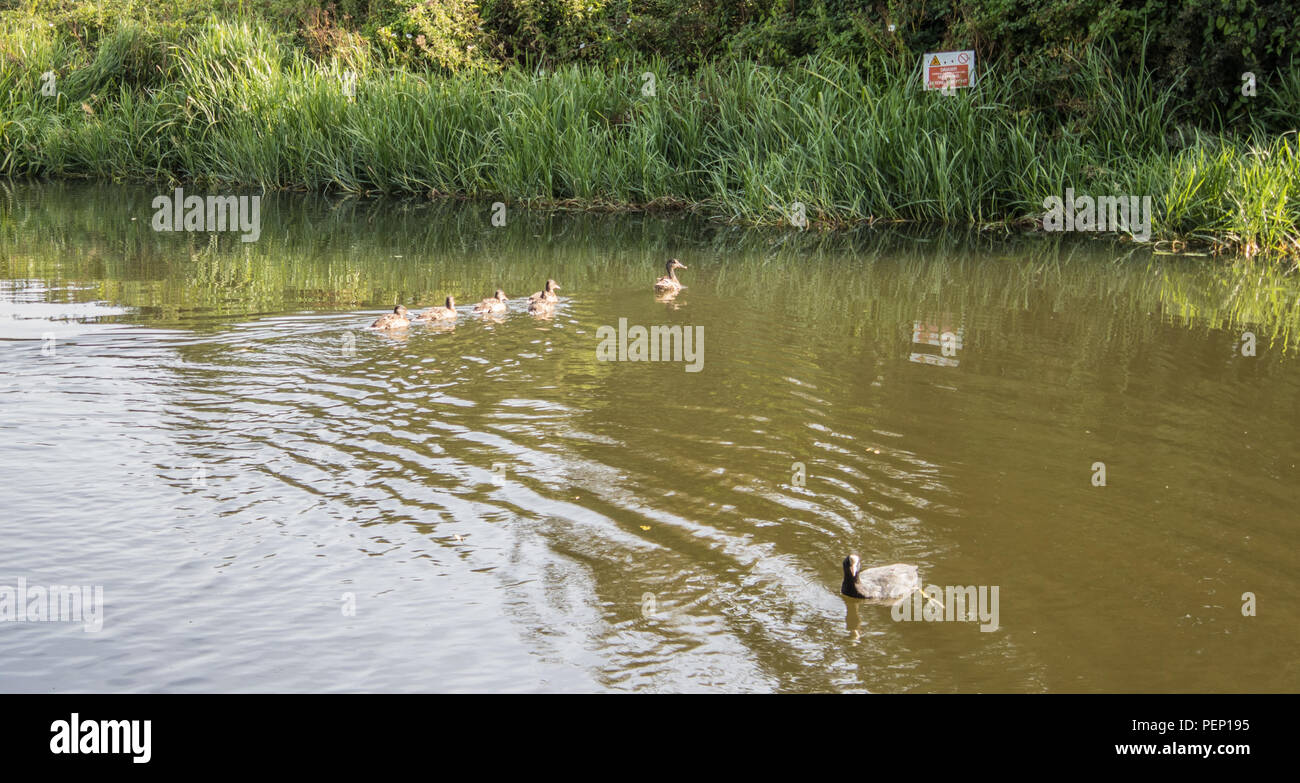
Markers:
(885, 584)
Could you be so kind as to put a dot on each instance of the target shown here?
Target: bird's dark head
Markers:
(675, 264)
(551, 285)
(400, 309)
(849, 587)
(451, 303)
(501, 295)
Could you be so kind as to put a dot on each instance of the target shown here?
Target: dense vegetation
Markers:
(1199, 48)
(755, 105)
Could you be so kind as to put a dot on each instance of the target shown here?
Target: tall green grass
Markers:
(233, 105)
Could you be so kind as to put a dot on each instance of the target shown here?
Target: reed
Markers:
(232, 105)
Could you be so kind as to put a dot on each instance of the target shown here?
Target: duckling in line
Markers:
(669, 284)
(447, 313)
(493, 304)
(543, 307)
(394, 320)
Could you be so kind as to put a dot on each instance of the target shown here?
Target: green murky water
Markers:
(274, 497)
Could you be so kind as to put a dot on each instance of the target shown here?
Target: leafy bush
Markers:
(1200, 49)
(441, 34)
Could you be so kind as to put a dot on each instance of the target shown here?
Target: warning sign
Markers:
(948, 70)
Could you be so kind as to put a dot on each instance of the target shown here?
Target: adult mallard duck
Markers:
(547, 294)
(493, 304)
(447, 313)
(669, 284)
(394, 320)
(884, 584)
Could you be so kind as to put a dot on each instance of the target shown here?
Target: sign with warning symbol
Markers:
(948, 70)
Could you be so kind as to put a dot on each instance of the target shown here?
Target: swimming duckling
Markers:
(394, 320)
(669, 284)
(541, 307)
(447, 313)
(548, 294)
(883, 584)
(493, 304)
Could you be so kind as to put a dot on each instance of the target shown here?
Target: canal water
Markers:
(1099, 439)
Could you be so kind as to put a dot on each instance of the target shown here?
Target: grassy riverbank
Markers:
(234, 105)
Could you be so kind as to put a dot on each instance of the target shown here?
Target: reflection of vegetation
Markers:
(348, 253)
(233, 106)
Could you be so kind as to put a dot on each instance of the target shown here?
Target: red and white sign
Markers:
(948, 70)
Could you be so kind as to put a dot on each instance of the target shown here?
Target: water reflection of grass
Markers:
(231, 106)
(318, 253)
